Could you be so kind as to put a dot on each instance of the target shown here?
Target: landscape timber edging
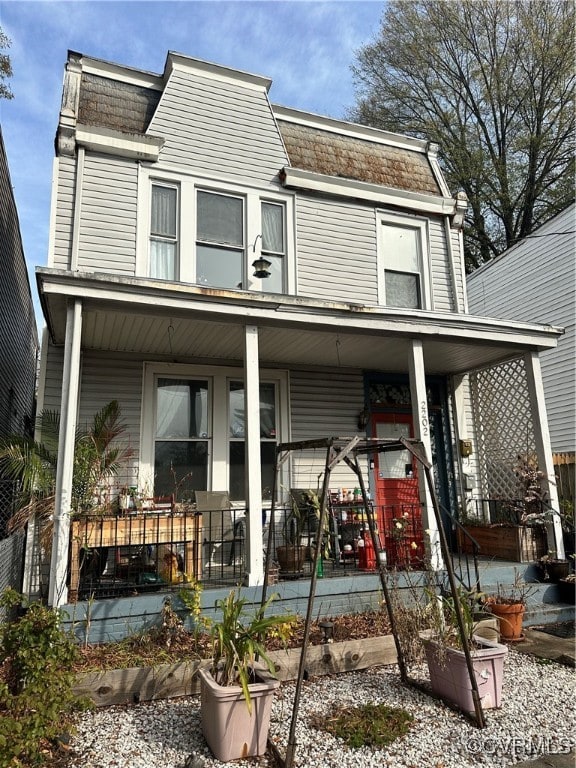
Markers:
(124, 686)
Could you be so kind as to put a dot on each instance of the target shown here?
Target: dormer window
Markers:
(403, 271)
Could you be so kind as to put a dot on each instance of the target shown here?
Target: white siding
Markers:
(108, 220)
(337, 253)
(336, 250)
(107, 378)
(324, 404)
(53, 379)
(440, 273)
(103, 378)
(536, 282)
(65, 183)
(214, 127)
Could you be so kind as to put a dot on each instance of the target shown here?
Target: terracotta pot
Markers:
(510, 617)
(291, 558)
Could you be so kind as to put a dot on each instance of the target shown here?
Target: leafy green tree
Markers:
(5, 67)
(491, 82)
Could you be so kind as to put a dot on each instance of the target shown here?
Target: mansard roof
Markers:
(124, 100)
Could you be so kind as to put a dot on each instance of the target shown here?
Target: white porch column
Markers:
(422, 432)
(58, 591)
(543, 447)
(254, 553)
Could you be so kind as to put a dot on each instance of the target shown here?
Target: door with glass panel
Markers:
(182, 443)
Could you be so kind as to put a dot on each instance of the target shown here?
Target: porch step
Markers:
(548, 613)
(545, 602)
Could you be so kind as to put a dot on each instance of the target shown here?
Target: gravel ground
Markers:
(538, 717)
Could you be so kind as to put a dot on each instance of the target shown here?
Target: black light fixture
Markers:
(261, 267)
(363, 418)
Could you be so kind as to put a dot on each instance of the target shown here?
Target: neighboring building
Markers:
(535, 281)
(169, 191)
(18, 355)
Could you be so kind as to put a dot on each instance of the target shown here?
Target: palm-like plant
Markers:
(32, 463)
(238, 640)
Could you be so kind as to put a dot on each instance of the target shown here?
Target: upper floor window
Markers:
(274, 246)
(164, 232)
(403, 262)
(220, 240)
(212, 236)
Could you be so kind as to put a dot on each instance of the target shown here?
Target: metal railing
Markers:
(120, 555)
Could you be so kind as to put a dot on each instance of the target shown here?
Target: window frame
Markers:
(188, 186)
(165, 238)
(239, 250)
(218, 378)
(418, 225)
(269, 253)
(242, 439)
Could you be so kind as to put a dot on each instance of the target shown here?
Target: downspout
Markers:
(453, 277)
(450, 223)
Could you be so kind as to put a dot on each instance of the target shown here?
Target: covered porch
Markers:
(327, 358)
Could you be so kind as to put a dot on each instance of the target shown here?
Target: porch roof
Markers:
(186, 322)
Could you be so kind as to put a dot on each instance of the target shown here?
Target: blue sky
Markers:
(305, 47)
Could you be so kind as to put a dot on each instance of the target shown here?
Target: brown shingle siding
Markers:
(312, 149)
(111, 104)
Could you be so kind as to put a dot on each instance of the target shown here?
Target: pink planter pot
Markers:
(450, 679)
(231, 731)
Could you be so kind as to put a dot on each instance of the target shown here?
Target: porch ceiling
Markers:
(154, 322)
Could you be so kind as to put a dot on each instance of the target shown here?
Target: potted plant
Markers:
(552, 568)
(447, 665)
(509, 605)
(238, 686)
(300, 522)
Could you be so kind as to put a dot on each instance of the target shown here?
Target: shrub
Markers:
(36, 697)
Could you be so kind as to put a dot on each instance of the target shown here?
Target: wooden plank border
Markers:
(127, 686)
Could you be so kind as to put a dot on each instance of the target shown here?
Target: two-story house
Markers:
(239, 274)
(18, 356)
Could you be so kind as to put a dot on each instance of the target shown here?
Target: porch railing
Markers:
(119, 555)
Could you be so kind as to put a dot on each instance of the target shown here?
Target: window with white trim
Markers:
(403, 262)
(210, 235)
(273, 217)
(194, 429)
(181, 442)
(220, 246)
(237, 431)
(164, 232)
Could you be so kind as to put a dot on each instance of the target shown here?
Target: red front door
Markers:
(397, 496)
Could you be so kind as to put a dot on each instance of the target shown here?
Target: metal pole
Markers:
(382, 572)
(480, 718)
(291, 745)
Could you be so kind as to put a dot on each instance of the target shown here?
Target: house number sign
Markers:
(424, 423)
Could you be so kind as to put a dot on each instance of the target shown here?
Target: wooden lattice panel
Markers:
(505, 430)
